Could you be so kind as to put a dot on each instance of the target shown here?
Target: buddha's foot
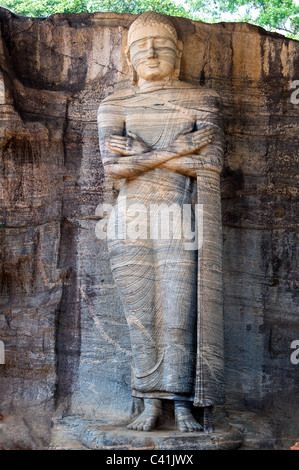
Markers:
(148, 419)
(184, 419)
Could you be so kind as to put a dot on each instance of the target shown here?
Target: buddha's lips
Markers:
(153, 63)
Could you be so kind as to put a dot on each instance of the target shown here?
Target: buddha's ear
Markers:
(128, 57)
(179, 53)
(133, 74)
(180, 48)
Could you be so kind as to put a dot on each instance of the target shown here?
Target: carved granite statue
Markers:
(163, 137)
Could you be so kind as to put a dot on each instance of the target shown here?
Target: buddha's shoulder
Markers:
(196, 90)
(178, 90)
(119, 96)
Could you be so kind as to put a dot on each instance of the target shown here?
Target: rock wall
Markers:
(66, 342)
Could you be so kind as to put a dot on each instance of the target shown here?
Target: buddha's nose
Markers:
(151, 52)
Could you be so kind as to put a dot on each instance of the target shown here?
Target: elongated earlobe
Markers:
(177, 68)
(127, 56)
(133, 74)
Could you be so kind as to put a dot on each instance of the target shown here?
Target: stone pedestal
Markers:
(120, 438)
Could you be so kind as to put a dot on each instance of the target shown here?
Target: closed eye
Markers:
(161, 41)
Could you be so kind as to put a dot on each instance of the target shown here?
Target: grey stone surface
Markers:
(65, 336)
(101, 437)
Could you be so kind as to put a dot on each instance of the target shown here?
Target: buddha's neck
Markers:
(145, 85)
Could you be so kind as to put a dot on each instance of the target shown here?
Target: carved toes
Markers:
(142, 424)
(189, 426)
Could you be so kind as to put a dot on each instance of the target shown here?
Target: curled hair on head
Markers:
(151, 18)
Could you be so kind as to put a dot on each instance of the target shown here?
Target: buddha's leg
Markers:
(177, 280)
(178, 275)
(134, 274)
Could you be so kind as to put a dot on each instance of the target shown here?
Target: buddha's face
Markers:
(153, 53)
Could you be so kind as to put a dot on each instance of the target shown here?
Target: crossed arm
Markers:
(137, 157)
(128, 156)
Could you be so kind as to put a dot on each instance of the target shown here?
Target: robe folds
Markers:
(177, 344)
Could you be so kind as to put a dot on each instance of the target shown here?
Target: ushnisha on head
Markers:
(154, 50)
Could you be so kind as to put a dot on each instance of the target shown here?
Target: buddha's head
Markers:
(153, 51)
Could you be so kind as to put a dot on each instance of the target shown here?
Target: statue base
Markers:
(121, 438)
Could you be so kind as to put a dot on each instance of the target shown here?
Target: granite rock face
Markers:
(67, 351)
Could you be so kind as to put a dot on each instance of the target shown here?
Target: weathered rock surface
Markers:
(66, 339)
(98, 437)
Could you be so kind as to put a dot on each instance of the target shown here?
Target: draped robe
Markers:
(155, 277)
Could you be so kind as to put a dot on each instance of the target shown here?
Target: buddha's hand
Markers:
(191, 142)
(131, 145)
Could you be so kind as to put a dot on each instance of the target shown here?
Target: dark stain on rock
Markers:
(22, 150)
(276, 265)
(234, 179)
(15, 277)
(67, 319)
(45, 69)
(232, 184)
